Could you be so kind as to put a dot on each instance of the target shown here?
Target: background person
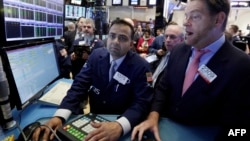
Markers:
(174, 34)
(144, 42)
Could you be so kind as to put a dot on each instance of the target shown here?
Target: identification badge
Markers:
(207, 74)
(121, 78)
(81, 43)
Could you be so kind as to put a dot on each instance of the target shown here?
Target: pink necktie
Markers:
(192, 69)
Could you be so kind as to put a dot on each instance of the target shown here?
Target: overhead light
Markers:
(239, 4)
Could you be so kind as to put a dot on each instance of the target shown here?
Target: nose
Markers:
(186, 22)
(167, 38)
(116, 39)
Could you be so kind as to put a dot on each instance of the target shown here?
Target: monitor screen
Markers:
(32, 19)
(90, 12)
(77, 2)
(32, 68)
(151, 2)
(74, 11)
(134, 2)
(117, 2)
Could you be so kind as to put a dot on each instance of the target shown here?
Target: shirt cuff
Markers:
(64, 113)
(126, 127)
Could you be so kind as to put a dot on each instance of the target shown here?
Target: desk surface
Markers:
(169, 130)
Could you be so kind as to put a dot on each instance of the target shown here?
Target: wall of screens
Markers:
(74, 11)
(33, 19)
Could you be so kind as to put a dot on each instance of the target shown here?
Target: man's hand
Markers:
(54, 123)
(105, 131)
(161, 52)
(150, 124)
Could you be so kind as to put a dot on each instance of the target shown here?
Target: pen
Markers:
(117, 86)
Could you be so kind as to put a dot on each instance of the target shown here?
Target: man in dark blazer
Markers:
(70, 36)
(89, 41)
(219, 94)
(127, 93)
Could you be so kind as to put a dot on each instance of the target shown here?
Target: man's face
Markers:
(87, 29)
(231, 31)
(199, 24)
(158, 32)
(172, 36)
(147, 34)
(80, 24)
(119, 40)
(139, 28)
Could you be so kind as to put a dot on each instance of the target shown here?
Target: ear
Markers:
(220, 18)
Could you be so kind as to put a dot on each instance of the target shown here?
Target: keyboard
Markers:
(55, 95)
(79, 128)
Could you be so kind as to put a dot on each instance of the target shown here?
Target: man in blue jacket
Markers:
(126, 93)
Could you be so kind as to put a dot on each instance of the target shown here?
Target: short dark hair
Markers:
(234, 27)
(121, 21)
(216, 6)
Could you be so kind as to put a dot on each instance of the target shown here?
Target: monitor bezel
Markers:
(15, 99)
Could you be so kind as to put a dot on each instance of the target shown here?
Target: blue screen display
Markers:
(33, 68)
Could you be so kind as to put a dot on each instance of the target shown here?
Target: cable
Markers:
(31, 133)
(52, 132)
(21, 131)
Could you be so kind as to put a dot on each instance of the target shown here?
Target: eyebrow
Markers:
(195, 10)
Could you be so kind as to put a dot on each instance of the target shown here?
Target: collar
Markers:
(215, 46)
(117, 61)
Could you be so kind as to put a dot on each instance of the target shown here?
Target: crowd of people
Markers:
(199, 78)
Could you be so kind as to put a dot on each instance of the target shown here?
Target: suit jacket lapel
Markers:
(181, 61)
(104, 67)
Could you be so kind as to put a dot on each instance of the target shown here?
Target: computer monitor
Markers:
(77, 2)
(90, 12)
(30, 68)
(151, 2)
(134, 2)
(116, 2)
(31, 19)
(74, 11)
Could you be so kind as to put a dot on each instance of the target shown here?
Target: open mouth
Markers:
(189, 33)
